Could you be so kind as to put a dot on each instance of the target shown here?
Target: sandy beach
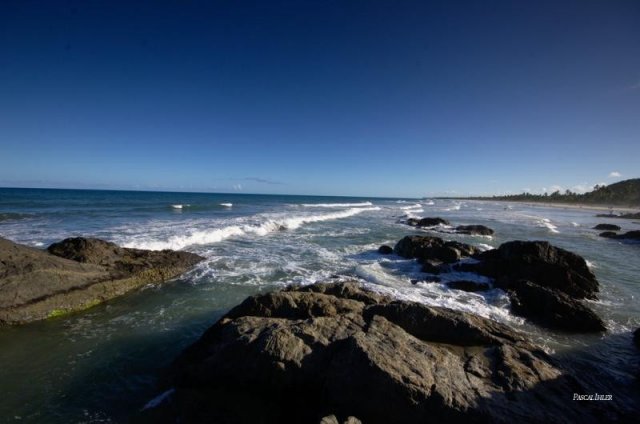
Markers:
(599, 208)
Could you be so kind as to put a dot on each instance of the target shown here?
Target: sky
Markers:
(335, 97)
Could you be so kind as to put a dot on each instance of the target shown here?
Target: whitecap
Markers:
(336, 205)
(226, 205)
(265, 226)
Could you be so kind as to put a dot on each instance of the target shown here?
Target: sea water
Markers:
(101, 365)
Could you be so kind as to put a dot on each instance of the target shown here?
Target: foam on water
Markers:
(416, 206)
(336, 205)
(265, 225)
(226, 205)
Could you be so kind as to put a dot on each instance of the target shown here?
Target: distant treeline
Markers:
(623, 193)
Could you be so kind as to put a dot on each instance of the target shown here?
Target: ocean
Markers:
(101, 365)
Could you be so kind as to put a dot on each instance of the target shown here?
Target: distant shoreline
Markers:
(594, 207)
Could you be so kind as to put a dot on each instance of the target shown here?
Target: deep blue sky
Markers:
(390, 98)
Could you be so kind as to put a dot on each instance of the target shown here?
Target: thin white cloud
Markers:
(615, 174)
(556, 188)
(237, 187)
(582, 188)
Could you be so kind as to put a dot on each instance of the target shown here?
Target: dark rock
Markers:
(629, 235)
(432, 266)
(427, 248)
(432, 222)
(607, 227)
(480, 230)
(469, 286)
(541, 263)
(413, 222)
(636, 338)
(385, 250)
(544, 283)
(302, 356)
(553, 309)
(77, 274)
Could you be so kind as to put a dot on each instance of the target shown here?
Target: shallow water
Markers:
(101, 365)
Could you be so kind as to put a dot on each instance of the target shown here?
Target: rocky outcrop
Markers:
(385, 250)
(545, 283)
(327, 352)
(540, 262)
(76, 274)
(427, 222)
(553, 309)
(636, 337)
(427, 249)
(475, 230)
(607, 227)
(629, 235)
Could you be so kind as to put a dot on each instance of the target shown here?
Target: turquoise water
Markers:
(101, 365)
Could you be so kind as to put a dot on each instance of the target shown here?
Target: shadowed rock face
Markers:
(301, 354)
(77, 273)
(545, 284)
(541, 263)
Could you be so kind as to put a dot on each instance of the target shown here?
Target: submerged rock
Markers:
(303, 355)
(607, 227)
(77, 273)
(385, 250)
(479, 230)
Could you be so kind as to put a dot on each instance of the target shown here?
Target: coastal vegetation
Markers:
(623, 193)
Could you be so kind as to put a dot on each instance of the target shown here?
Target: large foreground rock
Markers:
(76, 274)
(326, 350)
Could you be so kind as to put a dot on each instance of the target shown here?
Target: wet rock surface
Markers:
(478, 230)
(607, 227)
(629, 235)
(76, 274)
(332, 352)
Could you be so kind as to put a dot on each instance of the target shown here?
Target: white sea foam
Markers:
(336, 205)
(262, 228)
(546, 223)
(493, 304)
(428, 203)
(484, 247)
(179, 206)
(226, 205)
(416, 206)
